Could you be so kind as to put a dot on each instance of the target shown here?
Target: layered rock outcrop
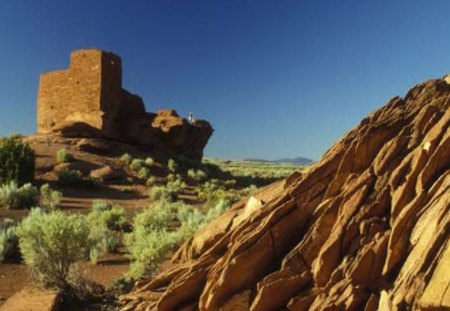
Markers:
(366, 228)
(87, 100)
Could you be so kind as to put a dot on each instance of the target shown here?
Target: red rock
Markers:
(365, 228)
(33, 299)
(87, 100)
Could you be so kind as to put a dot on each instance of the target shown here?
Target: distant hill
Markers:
(298, 160)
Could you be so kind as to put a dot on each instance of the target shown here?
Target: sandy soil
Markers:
(129, 192)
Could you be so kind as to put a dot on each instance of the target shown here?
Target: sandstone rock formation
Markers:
(366, 228)
(87, 100)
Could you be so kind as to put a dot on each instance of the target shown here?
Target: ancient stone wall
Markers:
(72, 94)
(88, 97)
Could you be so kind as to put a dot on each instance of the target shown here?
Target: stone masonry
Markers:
(90, 93)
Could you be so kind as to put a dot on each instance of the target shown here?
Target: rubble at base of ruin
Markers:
(87, 100)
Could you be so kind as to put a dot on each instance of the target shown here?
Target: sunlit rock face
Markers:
(87, 100)
(366, 228)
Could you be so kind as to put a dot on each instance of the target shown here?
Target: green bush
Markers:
(101, 205)
(149, 161)
(104, 240)
(197, 175)
(68, 177)
(113, 216)
(191, 220)
(172, 165)
(150, 240)
(171, 177)
(9, 241)
(16, 160)
(153, 235)
(50, 199)
(146, 249)
(13, 197)
(144, 173)
(62, 156)
(151, 181)
(137, 164)
(51, 242)
(176, 185)
(104, 219)
(157, 217)
(126, 158)
(162, 193)
(221, 206)
(215, 197)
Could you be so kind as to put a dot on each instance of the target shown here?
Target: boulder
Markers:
(95, 146)
(76, 129)
(33, 299)
(181, 136)
(106, 173)
(365, 228)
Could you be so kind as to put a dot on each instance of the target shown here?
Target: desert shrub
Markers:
(63, 156)
(68, 177)
(150, 240)
(176, 185)
(9, 241)
(16, 160)
(122, 285)
(103, 239)
(172, 165)
(51, 243)
(157, 217)
(221, 206)
(144, 172)
(137, 164)
(14, 197)
(197, 175)
(151, 181)
(113, 216)
(104, 220)
(101, 205)
(94, 254)
(249, 190)
(162, 193)
(153, 235)
(218, 196)
(171, 177)
(126, 158)
(146, 249)
(128, 189)
(149, 161)
(50, 198)
(191, 220)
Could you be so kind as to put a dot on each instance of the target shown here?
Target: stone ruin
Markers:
(87, 100)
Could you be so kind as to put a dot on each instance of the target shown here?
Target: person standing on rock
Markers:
(191, 118)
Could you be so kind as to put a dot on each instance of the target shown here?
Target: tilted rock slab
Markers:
(366, 228)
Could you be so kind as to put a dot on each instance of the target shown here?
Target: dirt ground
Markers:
(128, 192)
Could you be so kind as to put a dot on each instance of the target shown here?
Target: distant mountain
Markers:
(298, 160)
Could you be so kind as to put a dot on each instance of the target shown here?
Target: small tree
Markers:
(51, 242)
(16, 160)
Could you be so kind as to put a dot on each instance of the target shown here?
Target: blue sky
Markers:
(276, 78)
